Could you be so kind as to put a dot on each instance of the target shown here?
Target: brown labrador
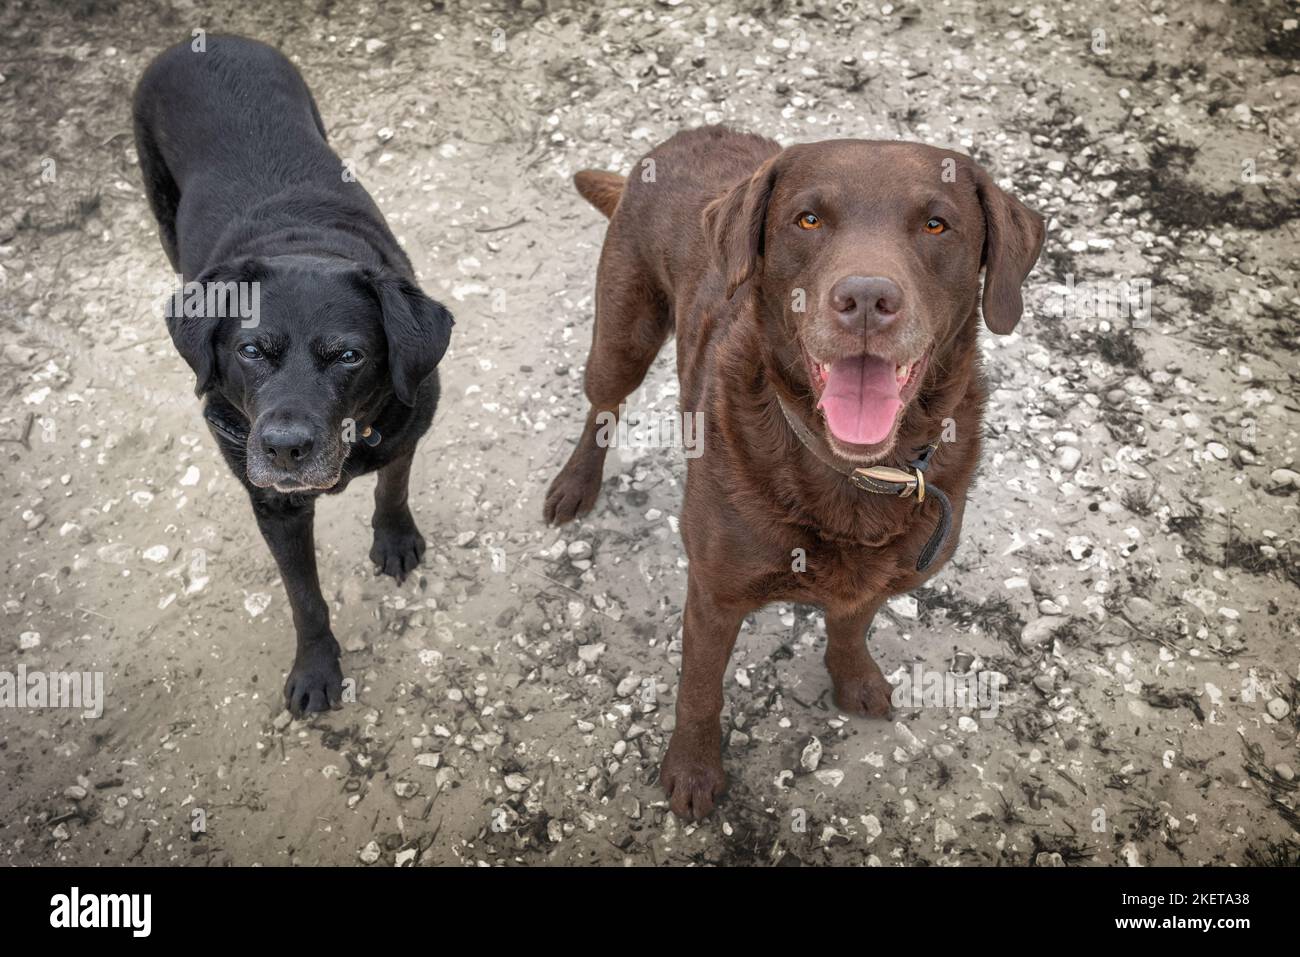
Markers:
(826, 302)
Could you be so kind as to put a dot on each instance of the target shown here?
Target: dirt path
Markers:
(1129, 561)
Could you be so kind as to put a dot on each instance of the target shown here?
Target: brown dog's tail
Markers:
(603, 190)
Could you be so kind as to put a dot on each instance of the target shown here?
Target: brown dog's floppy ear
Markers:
(193, 329)
(735, 223)
(1013, 237)
(418, 331)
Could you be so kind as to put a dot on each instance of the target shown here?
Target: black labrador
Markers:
(298, 312)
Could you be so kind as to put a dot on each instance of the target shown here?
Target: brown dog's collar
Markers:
(886, 480)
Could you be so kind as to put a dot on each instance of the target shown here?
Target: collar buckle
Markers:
(885, 480)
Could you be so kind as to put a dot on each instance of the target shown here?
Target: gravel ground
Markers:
(1129, 562)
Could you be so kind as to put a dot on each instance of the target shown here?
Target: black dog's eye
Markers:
(250, 351)
(350, 357)
(934, 226)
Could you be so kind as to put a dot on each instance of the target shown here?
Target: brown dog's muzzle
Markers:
(865, 349)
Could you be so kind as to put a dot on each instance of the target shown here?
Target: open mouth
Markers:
(861, 397)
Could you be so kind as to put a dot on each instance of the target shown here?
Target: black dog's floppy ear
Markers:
(735, 223)
(417, 328)
(1013, 238)
(227, 292)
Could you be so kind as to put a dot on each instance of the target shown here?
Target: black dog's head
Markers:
(308, 350)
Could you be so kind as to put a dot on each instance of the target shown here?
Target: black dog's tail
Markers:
(603, 190)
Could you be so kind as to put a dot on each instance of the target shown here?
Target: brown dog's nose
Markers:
(866, 303)
(287, 445)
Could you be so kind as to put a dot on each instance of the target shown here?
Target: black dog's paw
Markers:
(315, 680)
(397, 551)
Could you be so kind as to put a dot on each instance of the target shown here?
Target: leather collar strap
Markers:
(884, 480)
(239, 434)
(227, 428)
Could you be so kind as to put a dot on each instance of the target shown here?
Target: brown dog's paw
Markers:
(692, 778)
(868, 696)
(397, 552)
(573, 493)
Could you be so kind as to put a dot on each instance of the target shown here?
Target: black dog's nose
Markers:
(866, 303)
(287, 445)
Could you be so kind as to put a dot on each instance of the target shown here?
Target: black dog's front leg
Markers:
(316, 680)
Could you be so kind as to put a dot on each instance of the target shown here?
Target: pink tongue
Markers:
(861, 400)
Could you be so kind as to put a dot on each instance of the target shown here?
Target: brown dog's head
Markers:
(870, 254)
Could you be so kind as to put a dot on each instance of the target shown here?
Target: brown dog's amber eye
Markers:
(935, 226)
(810, 221)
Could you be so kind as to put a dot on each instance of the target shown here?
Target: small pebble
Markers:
(811, 756)
(1286, 478)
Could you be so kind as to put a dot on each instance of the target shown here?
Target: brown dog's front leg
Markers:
(692, 773)
(573, 492)
(860, 687)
